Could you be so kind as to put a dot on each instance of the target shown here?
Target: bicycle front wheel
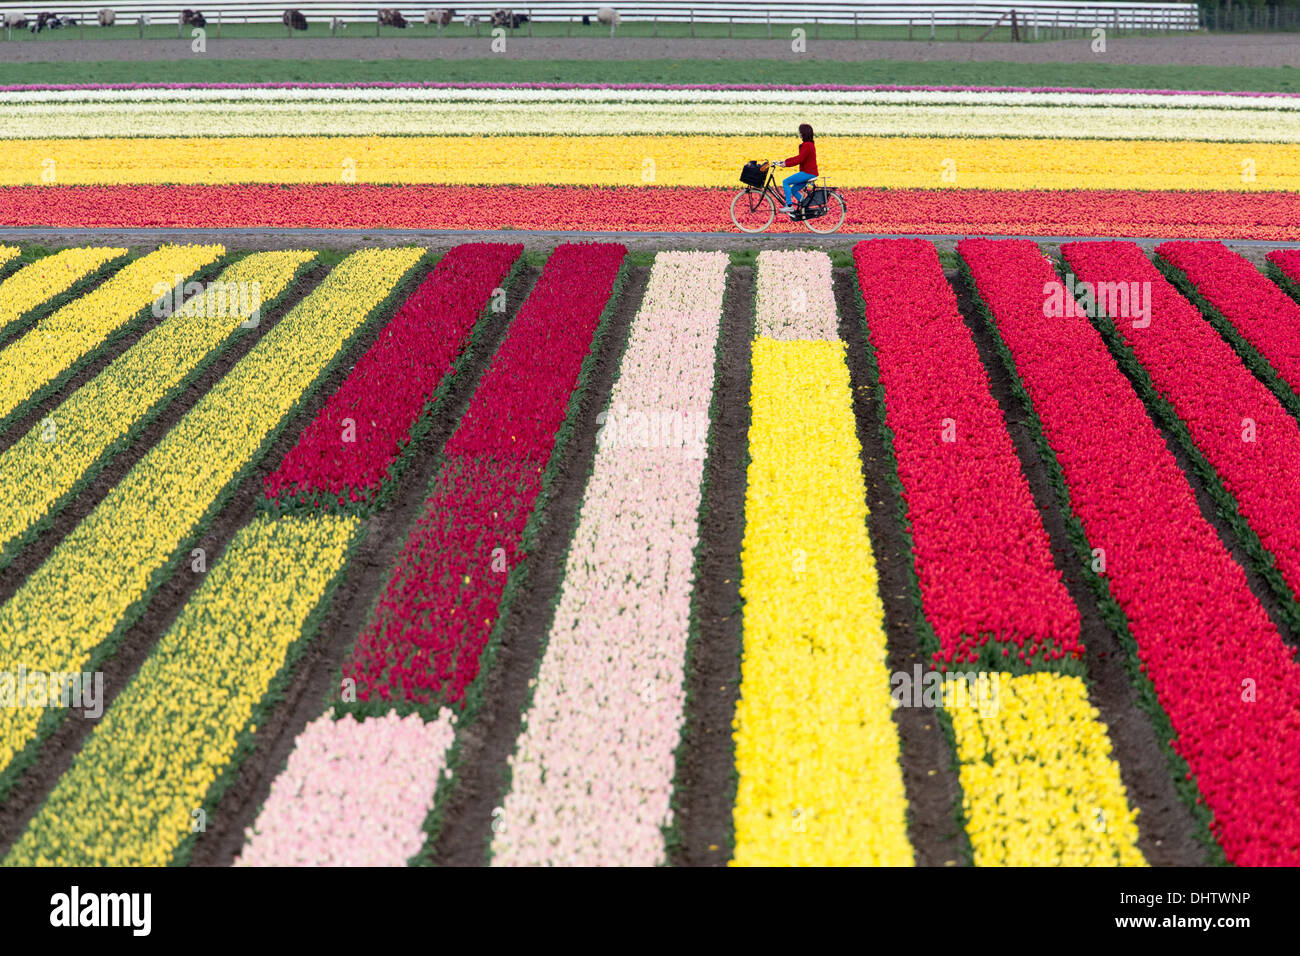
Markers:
(836, 210)
(752, 210)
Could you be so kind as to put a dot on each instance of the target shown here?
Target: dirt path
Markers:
(442, 239)
(1193, 50)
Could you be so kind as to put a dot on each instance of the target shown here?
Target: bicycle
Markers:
(820, 208)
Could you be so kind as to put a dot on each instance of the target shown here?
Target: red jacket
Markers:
(806, 159)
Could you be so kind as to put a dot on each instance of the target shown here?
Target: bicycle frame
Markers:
(778, 193)
(766, 199)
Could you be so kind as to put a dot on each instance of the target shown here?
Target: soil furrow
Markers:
(705, 786)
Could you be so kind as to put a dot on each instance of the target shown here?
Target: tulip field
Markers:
(967, 537)
(646, 157)
(562, 407)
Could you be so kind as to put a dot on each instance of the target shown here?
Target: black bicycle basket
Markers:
(819, 197)
(752, 174)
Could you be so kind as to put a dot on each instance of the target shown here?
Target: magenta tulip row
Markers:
(425, 638)
(347, 454)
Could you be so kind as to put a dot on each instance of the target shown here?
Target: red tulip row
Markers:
(1232, 418)
(1030, 212)
(346, 455)
(424, 640)
(1265, 316)
(982, 555)
(1219, 669)
(1284, 266)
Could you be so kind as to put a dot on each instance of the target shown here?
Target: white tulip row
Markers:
(78, 121)
(614, 94)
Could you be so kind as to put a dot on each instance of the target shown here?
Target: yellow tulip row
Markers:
(40, 281)
(8, 252)
(58, 341)
(817, 750)
(46, 464)
(887, 162)
(1040, 785)
(138, 787)
(80, 596)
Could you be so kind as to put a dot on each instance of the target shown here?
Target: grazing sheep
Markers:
(107, 17)
(294, 20)
(392, 18)
(15, 21)
(192, 18)
(608, 16)
(508, 18)
(470, 19)
(442, 17)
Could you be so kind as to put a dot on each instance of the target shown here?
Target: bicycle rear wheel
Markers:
(836, 211)
(752, 210)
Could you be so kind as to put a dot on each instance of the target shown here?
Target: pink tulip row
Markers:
(794, 297)
(1227, 681)
(1264, 315)
(593, 768)
(1234, 420)
(354, 793)
(982, 555)
(347, 453)
(433, 620)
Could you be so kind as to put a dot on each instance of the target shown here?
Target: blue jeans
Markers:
(793, 181)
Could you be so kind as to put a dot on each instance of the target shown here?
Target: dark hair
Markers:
(806, 132)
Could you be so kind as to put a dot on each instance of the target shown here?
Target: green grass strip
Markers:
(797, 72)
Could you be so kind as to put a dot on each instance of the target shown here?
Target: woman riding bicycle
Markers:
(806, 160)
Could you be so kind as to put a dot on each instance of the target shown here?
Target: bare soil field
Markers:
(1255, 50)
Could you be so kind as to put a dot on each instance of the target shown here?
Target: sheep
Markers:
(441, 18)
(508, 18)
(608, 16)
(192, 18)
(107, 17)
(470, 19)
(294, 20)
(392, 18)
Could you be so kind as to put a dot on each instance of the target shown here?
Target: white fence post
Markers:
(932, 25)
